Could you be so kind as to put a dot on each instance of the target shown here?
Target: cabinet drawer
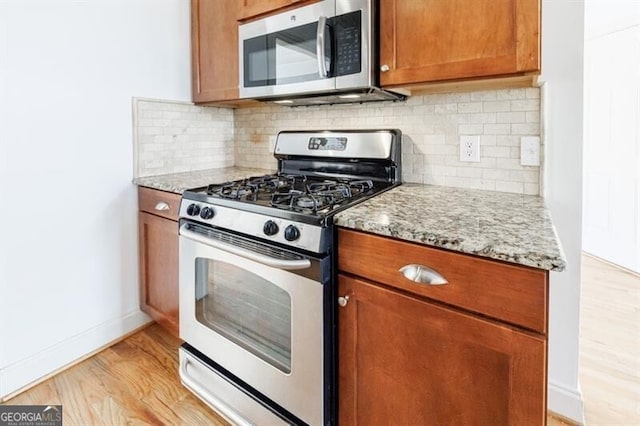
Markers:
(511, 293)
(159, 203)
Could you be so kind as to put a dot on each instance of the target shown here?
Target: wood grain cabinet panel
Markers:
(511, 293)
(469, 352)
(406, 361)
(440, 40)
(214, 50)
(160, 203)
(158, 258)
(256, 8)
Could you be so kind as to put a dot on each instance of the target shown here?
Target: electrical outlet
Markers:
(470, 148)
(530, 151)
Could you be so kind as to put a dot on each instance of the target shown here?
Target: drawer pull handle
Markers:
(343, 300)
(422, 275)
(162, 206)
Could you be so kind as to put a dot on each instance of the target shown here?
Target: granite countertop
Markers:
(510, 227)
(180, 182)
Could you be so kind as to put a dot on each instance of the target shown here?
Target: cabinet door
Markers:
(434, 40)
(214, 50)
(158, 240)
(250, 8)
(406, 361)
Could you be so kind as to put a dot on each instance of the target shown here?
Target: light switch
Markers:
(530, 151)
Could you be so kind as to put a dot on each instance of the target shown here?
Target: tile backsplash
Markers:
(172, 136)
(432, 125)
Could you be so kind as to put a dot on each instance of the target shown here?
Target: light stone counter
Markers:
(180, 182)
(510, 227)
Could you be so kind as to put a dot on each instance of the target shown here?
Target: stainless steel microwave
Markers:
(325, 52)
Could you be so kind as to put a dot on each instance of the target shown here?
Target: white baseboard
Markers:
(26, 371)
(566, 402)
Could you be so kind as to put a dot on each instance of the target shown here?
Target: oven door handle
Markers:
(248, 254)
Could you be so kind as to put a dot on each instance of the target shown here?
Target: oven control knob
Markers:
(291, 233)
(206, 213)
(193, 210)
(270, 228)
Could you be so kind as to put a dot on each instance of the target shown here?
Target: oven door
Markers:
(257, 311)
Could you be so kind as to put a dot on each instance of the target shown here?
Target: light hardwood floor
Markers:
(136, 380)
(609, 344)
(132, 382)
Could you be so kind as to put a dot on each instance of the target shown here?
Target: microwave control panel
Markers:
(348, 30)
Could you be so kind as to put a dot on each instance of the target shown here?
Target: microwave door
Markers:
(293, 60)
(302, 55)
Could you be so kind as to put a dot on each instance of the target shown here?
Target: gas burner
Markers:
(295, 182)
(361, 186)
(233, 190)
(267, 182)
(347, 189)
(330, 186)
(237, 191)
(306, 202)
(301, 201)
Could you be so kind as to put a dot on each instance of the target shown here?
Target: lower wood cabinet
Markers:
(407, 359)
(158, 244)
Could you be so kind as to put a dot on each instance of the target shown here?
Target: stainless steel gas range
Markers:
(257, 276)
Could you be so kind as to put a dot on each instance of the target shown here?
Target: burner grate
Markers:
(297, 193)
(318, 196)
(238, 191)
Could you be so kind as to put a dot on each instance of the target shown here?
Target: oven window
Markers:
(245, 308)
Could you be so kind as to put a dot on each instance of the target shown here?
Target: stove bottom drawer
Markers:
(222, 395)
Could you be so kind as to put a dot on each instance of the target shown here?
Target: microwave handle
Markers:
(320, 35)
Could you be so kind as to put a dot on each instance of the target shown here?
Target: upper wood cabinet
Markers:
(214, 50)
(439, 40)
(251, 8)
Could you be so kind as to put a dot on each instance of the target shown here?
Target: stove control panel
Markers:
(284, 231)
(327, 143)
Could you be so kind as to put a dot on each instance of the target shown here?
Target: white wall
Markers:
(611, 226)
(68, 235)
(562, 74)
